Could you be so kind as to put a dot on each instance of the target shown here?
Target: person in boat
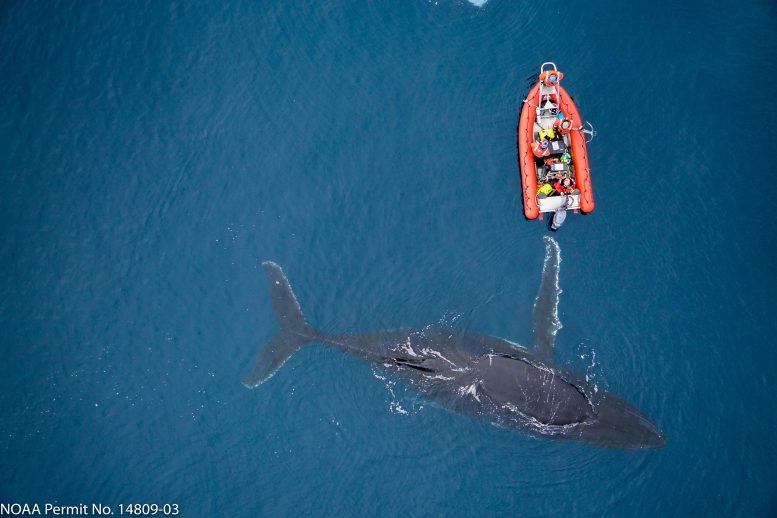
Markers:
(564, 185)
(563, 125)
(541, 146)
(551, 77)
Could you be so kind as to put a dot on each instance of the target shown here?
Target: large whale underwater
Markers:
(483, 376)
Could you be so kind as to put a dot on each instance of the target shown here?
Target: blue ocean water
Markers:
(153, 154)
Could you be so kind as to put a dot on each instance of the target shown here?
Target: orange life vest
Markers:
(538, 149)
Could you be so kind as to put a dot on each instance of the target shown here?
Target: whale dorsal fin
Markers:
(545, 317)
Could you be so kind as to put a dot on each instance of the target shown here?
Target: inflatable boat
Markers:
(555, 174)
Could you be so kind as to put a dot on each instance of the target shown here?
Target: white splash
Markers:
(478, 3)
(408, 348)
(397, 408)
(590, 367)
(431, 352)
(439, 377)
(471, 390)
(591, 374)
(394, 405)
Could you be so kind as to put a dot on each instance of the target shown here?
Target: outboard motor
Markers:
(558, 218)
(561, 214)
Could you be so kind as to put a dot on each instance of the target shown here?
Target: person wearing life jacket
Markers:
(564, 185)
(541, 148)
(563, 126)
(551, 77)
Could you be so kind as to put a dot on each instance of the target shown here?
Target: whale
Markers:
(488, 378)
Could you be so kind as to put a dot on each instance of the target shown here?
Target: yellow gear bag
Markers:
(547, 134)
(546, 189)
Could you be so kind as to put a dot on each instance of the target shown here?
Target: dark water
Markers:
(152, 155)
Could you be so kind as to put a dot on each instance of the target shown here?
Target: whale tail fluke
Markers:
(294, 332)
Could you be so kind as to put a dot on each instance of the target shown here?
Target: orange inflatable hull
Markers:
(526, 157)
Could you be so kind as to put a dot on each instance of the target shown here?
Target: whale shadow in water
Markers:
(483, 376)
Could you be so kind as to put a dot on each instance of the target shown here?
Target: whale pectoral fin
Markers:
(545, 317)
